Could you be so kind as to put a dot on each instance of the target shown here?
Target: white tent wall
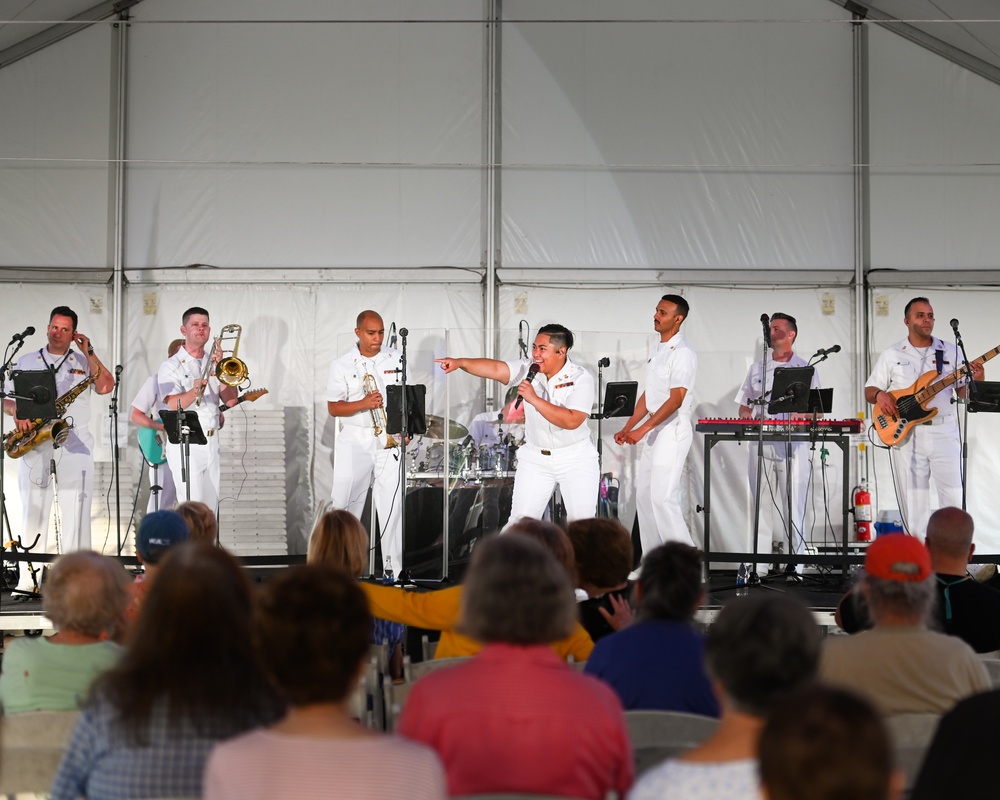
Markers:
(935, 176)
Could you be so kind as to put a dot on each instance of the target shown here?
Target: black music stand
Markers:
(35, 393)
(183, 428)
(416, 405)
(984, 397)
(619, 399)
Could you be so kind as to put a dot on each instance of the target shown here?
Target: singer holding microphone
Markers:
(74, 459)
(667, 399)
(933, 449)
(558, 396)
(780, 331)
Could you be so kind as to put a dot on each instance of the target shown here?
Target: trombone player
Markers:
(188, 378)
(365, 454)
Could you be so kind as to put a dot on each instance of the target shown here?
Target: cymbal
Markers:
(435, 428)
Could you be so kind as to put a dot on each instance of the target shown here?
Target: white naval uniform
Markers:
(360, 459)
(671, 365)
(932, 449)
(74, 460)
(147, 401)
(774, 478)
(177, 375)
(552, 455)
(485, 430)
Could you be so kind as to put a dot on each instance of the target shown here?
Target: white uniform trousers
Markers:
(574, 469)
(930, 451)
(75, 478)
(204, 476)
(360, 462)
(658, 499)
(773, 522)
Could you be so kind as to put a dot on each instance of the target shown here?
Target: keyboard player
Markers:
(784, 330)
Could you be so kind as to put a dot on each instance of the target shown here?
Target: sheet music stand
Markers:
(790, 391)
(416, 402)
(619, 399)
(29, 386)
(984, 397)
(820, 401)
(183, 428)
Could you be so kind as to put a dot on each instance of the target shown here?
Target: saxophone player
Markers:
(74, 458)
(363, 455)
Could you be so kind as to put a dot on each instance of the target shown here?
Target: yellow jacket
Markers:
(438, 611)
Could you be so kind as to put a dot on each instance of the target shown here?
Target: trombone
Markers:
(379, 420)
(231, 370)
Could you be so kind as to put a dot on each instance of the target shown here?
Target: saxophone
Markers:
(17, 443)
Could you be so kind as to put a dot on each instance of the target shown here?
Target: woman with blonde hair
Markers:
(340, 540)
(200, 520)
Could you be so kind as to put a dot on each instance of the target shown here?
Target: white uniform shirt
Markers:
(899, 366)
(750, 390)
(347, 375)
(572, 387)
(73, 368)
(671, 365)
(177, 375)
(486, 430)
(146, 399)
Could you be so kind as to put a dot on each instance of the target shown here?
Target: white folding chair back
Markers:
(993, 668)
(659, 735)
(911, 736)
(33, 745)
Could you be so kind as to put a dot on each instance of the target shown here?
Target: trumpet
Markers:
(379, 420)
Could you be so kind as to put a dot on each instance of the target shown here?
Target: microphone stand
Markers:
(970, 387)
(404, 427)
(116, 454)
(753, 579)
(4, 370)
(601, 364)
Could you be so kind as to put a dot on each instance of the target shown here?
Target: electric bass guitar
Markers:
(151, 441)
(911, 403)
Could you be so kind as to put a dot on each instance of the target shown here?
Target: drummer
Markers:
(504, 427)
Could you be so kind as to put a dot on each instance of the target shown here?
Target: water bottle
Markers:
(741, 580)
(388, 576)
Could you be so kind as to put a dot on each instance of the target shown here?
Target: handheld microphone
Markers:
(766, 322)
(604, 362)
(532, 372)
(404, 333)
(118, 371)
(954, 325)
(20, 337)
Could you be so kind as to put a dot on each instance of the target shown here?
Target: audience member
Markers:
(439, 610)
(201, 522)
(340, 540)
(658, 661)
(158, 532)
(311, 633)
(959, 762)
(189, 678)
(603, 550)
(823, 743)
(516, 718)
(85, 597)
(758, 650)
(966, 608)
(899, 664)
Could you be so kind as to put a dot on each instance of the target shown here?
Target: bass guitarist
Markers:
(932, 448)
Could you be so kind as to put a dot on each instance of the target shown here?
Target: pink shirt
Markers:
(518, 719)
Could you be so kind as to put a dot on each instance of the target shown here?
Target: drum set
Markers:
(465, 461)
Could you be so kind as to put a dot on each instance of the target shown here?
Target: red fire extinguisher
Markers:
(862, 513)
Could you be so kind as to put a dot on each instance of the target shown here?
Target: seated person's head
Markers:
(669, 586)
(825, 743)
(949, 534)
(516, 593)
(201, 522)
(86, 593)
(604, 554)
(898, 583)
(158, 532)
(339, 540)
(760, 648)
(311, 632)
(552, 538)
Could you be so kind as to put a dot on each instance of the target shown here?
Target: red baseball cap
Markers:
(898, 557)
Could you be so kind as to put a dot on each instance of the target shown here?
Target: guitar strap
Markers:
(939, 359)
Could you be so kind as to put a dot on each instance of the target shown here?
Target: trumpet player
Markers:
(363, 455)
(188, 379)
(74, 458)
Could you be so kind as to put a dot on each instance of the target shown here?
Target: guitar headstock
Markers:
(253, 394)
